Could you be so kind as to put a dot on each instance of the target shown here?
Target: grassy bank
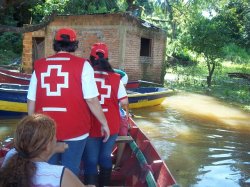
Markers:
(229, 89)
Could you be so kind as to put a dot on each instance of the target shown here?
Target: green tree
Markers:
(207, 37)
(17, 17)
(234, 15)
(36, 14)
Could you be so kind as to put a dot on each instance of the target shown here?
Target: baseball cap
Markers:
(99, 47)
(66, 31)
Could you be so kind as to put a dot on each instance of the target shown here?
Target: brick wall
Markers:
(27, 53)
(122, 33)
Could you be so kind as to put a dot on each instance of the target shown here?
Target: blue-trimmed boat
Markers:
(13, 98)
(147, 96)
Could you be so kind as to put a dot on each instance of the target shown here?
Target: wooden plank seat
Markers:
(124, 139)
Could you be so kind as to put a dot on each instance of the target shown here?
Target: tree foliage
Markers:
(208, 37)
(206, 27)
(35, 14)
(18, 16)
(228, 21)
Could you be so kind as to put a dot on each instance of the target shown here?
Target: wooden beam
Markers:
(124, 139)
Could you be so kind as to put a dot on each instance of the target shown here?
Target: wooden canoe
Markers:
(141, 165)
(13, 98)
(7, 76)
(132, 84)
(147, 96)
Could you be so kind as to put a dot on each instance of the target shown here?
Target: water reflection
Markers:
(209, 109)
(203, 141)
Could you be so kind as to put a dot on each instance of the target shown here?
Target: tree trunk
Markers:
(211, 67)
(209, 81)
(130, 5)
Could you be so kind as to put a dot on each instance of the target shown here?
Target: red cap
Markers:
(66, 31)
(99, 47)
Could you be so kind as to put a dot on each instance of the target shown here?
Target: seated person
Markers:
(26, 164)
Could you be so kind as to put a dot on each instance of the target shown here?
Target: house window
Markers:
(146, 47)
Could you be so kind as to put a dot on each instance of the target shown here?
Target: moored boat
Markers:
(7, 76)
(147, 96)
(13, 98)
(133, 84)
(140, 164)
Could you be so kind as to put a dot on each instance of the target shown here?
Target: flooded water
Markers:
(7, 128)
(205, 143)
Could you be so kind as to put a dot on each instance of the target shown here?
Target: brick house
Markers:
(134, 45)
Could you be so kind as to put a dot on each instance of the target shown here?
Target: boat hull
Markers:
(140, 164)
(13, 99)
(147, 96)
(132, 84)
(7, 76)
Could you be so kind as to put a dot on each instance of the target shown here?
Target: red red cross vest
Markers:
(108, 85)
(59, 94)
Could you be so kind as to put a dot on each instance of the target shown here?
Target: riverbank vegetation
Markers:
(192, 77)
(231, 80)
(206, 40)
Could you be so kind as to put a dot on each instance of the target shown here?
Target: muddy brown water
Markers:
(205, 142)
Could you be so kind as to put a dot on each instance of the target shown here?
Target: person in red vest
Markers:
(63, 87)
(112, 92)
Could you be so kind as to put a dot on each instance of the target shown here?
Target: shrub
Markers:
(7, 56)
(11, 42)
(236, 54)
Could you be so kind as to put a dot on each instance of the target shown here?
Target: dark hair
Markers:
(65, 44)
(32, 136)
(101, 63)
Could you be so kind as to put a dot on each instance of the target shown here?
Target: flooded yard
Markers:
(203, 141)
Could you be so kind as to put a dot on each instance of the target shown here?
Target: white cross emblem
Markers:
(59, 86)
(103, 86)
